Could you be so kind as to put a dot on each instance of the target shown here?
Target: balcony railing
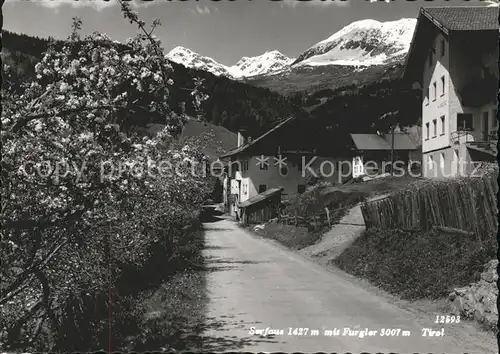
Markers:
(493, 137)
(461, 136)
(466, 136)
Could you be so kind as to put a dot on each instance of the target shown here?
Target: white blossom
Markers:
(38, 127)
(85, 136)
(63, 87)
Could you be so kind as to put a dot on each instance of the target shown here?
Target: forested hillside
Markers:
(359, 109)
(311, 79)
(236, 105)
(231, 104)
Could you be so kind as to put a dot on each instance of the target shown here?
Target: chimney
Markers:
(241, 138)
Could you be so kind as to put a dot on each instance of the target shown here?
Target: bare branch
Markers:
(126, 9)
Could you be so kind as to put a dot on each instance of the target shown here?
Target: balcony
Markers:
(488, 146)
(471, 136)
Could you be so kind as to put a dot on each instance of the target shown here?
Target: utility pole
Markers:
(393, 120)
(392, 150)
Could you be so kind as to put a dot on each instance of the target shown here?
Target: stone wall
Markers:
(478, 300)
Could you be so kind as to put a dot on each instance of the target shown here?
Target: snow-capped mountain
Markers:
(356, 47)
(362, 43)
(269, 62)
(190, 59)
(266, 63)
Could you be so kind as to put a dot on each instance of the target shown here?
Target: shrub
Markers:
(416, 265)
(324, 195)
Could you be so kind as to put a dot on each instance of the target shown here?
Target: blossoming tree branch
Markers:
(66, 240)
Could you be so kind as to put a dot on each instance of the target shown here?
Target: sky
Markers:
(224, 30)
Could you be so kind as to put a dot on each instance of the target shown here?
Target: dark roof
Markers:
(245, 147)
(219, 137)
(376, 142)
(260, 197)
(457, 19)
(402, 141)
(464, 18)
(484, 152)
(370, 142)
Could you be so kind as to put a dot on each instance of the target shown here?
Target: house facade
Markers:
(374, 154)
(255, 177)
(454, 56)
(287, 156)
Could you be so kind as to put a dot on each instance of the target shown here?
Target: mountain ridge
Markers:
(231, 104)
(266, 63)
(361, 44)
(334, 94)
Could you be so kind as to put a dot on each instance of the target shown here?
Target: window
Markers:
(434, 87)
(427, 97)
(441, 161)
(426, 131)
(442, 125)
(244, 165)
(464, 121)
(262, 188)
(442, 85)
(430, 162)
(434, 125)
(443, 47)
(301, 188)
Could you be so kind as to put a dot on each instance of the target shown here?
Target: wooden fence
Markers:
(467, 204)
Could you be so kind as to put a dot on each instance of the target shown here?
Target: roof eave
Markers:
(241, 150)
(435, 21)
(250, 202)
(405, 75)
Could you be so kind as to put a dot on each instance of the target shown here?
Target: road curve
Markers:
(254, 282)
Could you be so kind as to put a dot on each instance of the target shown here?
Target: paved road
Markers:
(255, 283)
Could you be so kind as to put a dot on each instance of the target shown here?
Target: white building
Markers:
(454, 58)
(254, 165)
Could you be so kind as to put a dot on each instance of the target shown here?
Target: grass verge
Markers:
(168, 312)
(416, 265)
(293, 237)
(338, 199)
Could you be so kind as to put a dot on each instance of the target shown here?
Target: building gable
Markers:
(296, 136)
(447, 20)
